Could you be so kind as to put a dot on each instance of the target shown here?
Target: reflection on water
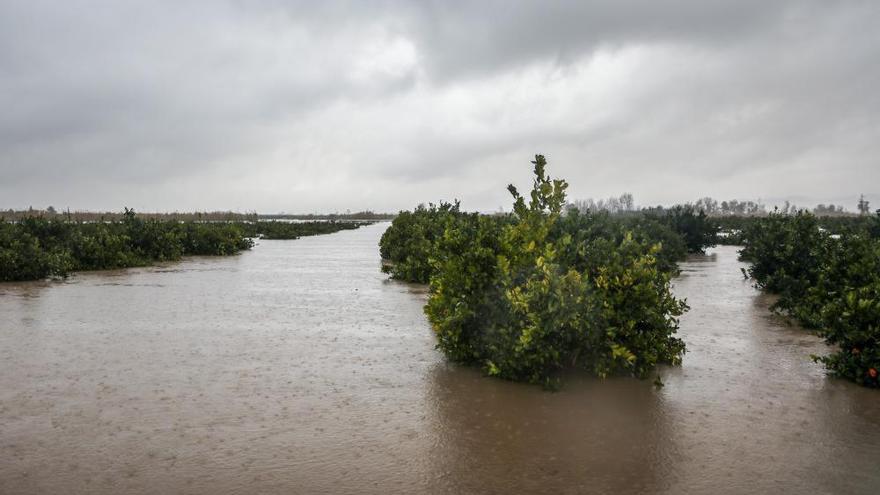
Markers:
(299, 368)
(502, 437)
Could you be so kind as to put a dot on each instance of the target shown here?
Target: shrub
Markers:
(786, 252)
(408, 245)
(23, 257)
(696, 228)
(874, 227)
(526, 298)
(848, 295)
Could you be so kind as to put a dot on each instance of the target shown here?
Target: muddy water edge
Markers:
(299, 368)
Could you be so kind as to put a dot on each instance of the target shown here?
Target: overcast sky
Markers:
(327, 106)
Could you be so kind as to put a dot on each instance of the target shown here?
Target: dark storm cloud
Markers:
(305, 106)
(478, 36)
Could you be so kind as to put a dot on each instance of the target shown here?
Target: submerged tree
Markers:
(524, 299)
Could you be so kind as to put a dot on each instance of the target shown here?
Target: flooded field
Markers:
(299, 368)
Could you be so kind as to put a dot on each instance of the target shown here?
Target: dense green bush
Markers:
(787, 252)
(528, 295)
(827, 282)
(408, 245)
(845, 306)
(22, 257)
(874, 226)
(466, 301)
(696, 228)
(647, 229)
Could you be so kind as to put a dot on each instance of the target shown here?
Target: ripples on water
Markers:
(299, 368)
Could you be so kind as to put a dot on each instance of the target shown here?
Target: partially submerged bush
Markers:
(828, 283)
(847, 296)
(408, 245)
(786, 252)
(22, 257)
(527, 296)
(36, 248)
(696, 228)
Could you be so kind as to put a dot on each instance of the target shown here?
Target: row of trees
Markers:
(50, 213)
(273, 229)
(192, 216)
(620, 204)
(828, 282)
(625, 203)
(36, 247)
(532, 293)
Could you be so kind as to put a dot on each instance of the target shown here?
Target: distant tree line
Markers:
(614, 204)
(195, 216)
(625, 203)
(281, 230)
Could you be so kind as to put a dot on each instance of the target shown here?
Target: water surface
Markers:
(298, 368)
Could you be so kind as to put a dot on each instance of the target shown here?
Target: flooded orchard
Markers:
(299, 368)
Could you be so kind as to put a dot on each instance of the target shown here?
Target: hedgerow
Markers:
(36, 248)
(827, 282)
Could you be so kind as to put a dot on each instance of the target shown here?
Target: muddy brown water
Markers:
(299, 368)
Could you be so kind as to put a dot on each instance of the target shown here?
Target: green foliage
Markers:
(831, 283)
(735, 228)
(845, 302)
(528, 295)
(696, 228)
(36, 248)
(22, 257)
(648, 229)
(408, 245)
(466, 303)
(787, 252)
(214, 239)
(874, 226)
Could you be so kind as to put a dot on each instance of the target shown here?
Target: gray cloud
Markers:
(305, 106)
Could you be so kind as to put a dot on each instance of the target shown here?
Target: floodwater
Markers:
(298, 368)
